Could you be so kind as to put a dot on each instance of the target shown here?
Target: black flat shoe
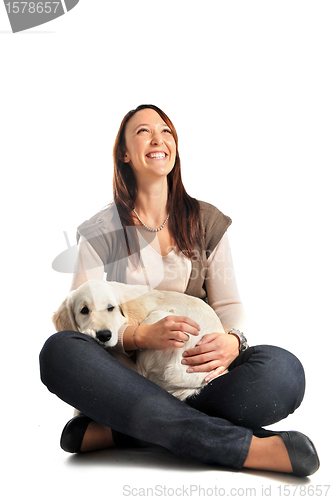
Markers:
(302, 453)
(73, 434)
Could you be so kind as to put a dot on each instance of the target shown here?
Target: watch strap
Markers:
(243, 343)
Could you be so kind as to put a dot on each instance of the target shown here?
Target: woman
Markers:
(155, 233)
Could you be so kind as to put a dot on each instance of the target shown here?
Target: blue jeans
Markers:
(263, 386)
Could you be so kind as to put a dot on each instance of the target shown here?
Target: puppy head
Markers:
(93, 309)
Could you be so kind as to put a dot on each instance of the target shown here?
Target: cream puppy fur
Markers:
(100, 308)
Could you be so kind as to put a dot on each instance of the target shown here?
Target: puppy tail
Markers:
(63, 318)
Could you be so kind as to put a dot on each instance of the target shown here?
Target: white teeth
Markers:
(156, 155)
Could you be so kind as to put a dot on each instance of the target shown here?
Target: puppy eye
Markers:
(110, 308)
(85, 310)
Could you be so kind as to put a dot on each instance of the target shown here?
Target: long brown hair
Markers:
(184, 220)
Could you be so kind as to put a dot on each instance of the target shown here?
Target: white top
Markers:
(172, 272)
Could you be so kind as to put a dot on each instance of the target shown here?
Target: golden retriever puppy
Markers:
(100, 308)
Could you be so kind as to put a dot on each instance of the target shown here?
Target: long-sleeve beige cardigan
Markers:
(102, 249)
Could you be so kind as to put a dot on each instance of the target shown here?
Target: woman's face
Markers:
(150, 145)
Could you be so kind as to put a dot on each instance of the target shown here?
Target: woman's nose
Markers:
(156, 139)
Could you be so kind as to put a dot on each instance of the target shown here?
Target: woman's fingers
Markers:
(205, 367)
(184, 324)
(215, 352)
(180, 327)
(171, 331)
(201, 353)
(215, 373)
(198, 350)
(199, 359)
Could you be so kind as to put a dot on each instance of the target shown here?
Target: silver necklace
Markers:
(151, 228)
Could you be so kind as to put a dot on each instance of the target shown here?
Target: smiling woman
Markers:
(151, 148)
(183, 243)
(147, 172)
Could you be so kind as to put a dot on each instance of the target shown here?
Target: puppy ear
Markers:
(63, 318)
(124, 310)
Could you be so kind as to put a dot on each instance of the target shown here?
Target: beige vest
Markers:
(105, 233)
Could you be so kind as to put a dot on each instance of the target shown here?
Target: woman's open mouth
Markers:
(157, 155)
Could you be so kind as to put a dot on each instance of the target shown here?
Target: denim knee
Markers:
(285, 376)
(51, 353)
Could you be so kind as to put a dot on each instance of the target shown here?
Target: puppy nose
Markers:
(104, 335)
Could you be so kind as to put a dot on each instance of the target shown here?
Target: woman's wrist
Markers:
(134, 337)
(243, 343)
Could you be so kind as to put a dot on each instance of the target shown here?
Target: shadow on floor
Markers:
(161, 459)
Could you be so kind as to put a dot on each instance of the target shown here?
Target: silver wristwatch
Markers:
(241, 337)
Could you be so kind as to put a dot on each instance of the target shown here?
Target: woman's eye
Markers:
(85, 310)
(110, 308)
(168, 131)
(142, 130)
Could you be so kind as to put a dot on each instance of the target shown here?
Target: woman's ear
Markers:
(126, 158)
(63, 318)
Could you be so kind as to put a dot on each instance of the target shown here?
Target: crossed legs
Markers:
(80, 372)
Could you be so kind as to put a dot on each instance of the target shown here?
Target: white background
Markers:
(248, 86)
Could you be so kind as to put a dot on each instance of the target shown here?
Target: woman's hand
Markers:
(214, 353)
(172, 331)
